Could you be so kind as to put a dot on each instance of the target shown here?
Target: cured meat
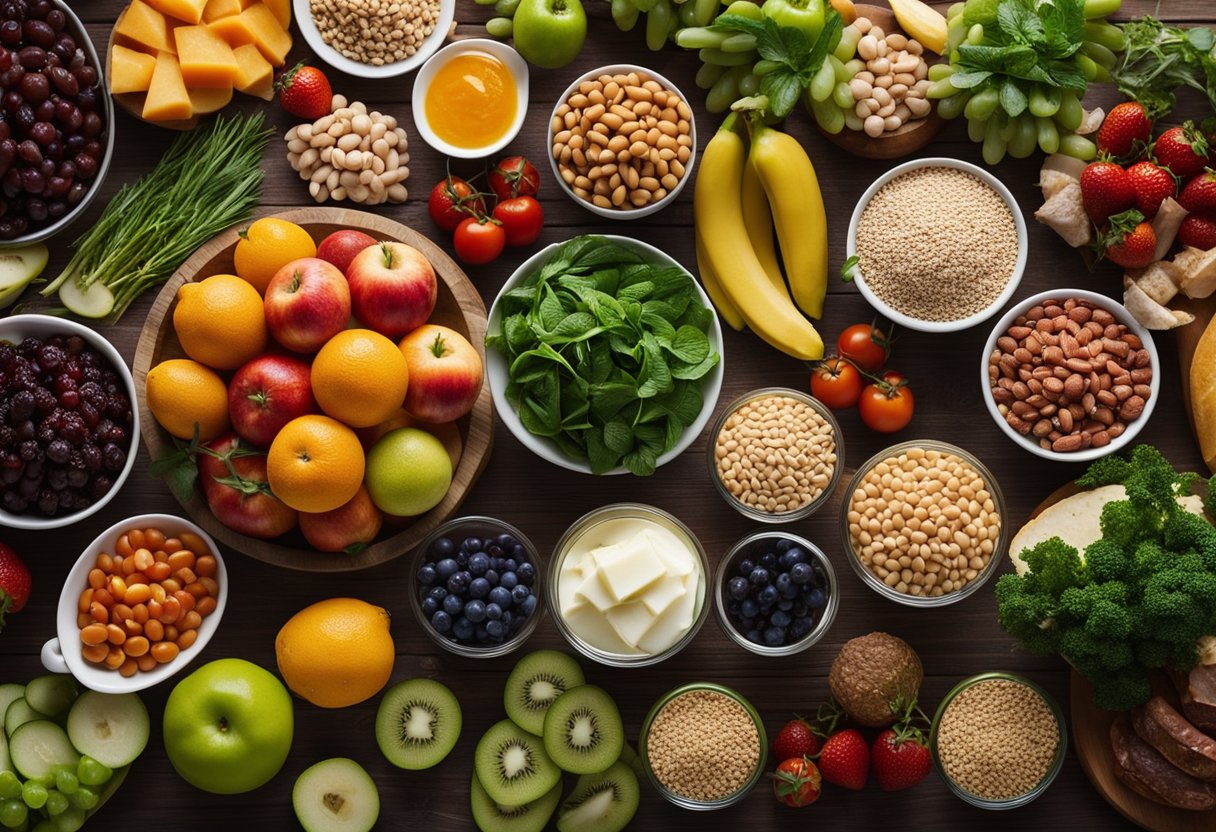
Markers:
(1180, 742)
(1197, 691)
(1143, 770)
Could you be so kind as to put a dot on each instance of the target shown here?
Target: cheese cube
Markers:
(189, 11)
(630, 621)
(593, 628)
(663, 594)
(130, 71)
(254, 74)
(262, 29)
(281, 10)
(144, 27)
(167, 96)
(671, 626)
(593, 591)
(628, 568)
(205, 100)
(675, 555)
(205, 59)
(215, 9)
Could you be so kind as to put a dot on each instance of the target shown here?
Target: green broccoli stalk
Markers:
(1138, 599)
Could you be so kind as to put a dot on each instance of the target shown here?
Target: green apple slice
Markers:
(6, 763)
(9, 693)
(37, 747)
(52, 694)
(17, 714)
(92, 301)
(19, 266)
(336, 795)
(112, 728)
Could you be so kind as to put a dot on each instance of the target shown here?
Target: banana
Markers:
(758, 218)
(802, 224)
(718, 216)
(713, 288)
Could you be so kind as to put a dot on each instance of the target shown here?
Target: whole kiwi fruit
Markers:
(874, 676)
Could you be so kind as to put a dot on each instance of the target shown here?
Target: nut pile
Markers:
(775, 454)
(1070, 376)
(890, 91)
(703, 745)
(351, 154)
(622, 141)
(375, 32)
(924, 522)
(997, 739)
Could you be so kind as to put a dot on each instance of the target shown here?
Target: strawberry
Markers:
(1124, 126)
(14, 583)
(1198, 231)
(1183, 150)
(797, 782)
(1152, 184)
(1198, 195)
(304, 91)
(1105, 190)
(899, 757)
(796, 739)
(1130, 241)
(845, 759)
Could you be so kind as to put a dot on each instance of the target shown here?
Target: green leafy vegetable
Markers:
(1137, 599)
(1029, 42)
(1159, 59)
(606, 354)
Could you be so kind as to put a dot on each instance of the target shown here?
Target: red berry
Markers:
(1152, 184)
(1124, 125)
(1199, 194)
(845, 759)
(14, 582)
(1106, 190)
(304, 91)
(796, 739)
(1130, 241)
(1183, 150)
(1198, 231)
(797, 782)
(899, 758)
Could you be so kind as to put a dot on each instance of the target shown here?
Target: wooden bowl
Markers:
(459, 306)
(911, 137)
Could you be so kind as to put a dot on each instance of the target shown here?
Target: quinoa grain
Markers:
(703, 745)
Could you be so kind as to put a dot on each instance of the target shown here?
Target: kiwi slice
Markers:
(418, 723)
(535, 682)
(603, 802)
(531, 817)
(583, 730)
(512, 765)
(630, 758)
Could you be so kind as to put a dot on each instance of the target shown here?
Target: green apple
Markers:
(408, 472)
(228, 726)
(18, 267)
(550, 33)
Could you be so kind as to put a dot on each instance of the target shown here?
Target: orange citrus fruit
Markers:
(219, 321)
(315, 464)
(359, 377)
(337, 652)
(266, 246)
(181, 392)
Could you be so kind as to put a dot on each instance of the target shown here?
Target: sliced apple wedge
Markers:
(19, 266)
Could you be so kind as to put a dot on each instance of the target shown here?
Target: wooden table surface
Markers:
(953, 642)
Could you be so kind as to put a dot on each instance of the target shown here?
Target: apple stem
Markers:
(223, 723)
(438, 348)
(294, 286)
(259, 398)
(388, 255)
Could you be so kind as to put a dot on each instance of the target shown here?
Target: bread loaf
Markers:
(1203, 393)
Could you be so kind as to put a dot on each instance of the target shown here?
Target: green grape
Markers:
(1105, 34)
(725, 92)
(13, 813)
(703, 11)
(828, 116)
(853, 121)
(485, 2)
(1095, 9)
(956, 33)
(741, 42)
(1009, 126)
(698, 37)
(1044, 101)
(45, 826)
(749, 84)
(624, 14)
(975, 34)
(1025, 136)
(645, 6)
(952, 107)
(1048, 135)
(56, 803)
(839, 70)
(941, 89)
(658, 23)
(977, 129)
(686, 14)
(954, 11)
(84, 798)
(994, 146)
(1070, 114)
(34, 794)
(746, 8)
(940, 72)
(1078, 147)
(855, 66)
(66, 780)
(821, 85)
(717, 56)
(91, 772)
(1088, 66)
(843, 96)
(847, 47)
(10, 785)
(764, 67)
(500, 27)
(982, 104)
(69, 821)
(1102, 56)
(708, 75)
(506, 8)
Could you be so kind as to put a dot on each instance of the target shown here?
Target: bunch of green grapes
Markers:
(59, 801)
(663, 17)
(828, 97)
(728, 59)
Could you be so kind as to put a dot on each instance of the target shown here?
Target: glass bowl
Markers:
(682, 800)
(876, 583)
(588, 523)
(482, 527)
(765, 516)
(1053, 769)
(752, 544)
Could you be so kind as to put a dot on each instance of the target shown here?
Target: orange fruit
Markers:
(219, 321)
(337, 652)
(359, 377)
(182, 392)
(315, 464)
(266, 246)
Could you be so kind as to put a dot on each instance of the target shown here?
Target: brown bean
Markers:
(1067, 444)
(1131, 409)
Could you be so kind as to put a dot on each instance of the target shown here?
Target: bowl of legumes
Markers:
(940, 245)
(1070, 375)
(622, 141)
(368, 39)
(924, 522)
(998, 740)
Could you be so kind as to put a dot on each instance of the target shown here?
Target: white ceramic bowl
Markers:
(1019, 267)
(1124, 317)
(62, 654)
(18, 327)
(302, 15)
(617, 213)
(497, 375)
(422, 84)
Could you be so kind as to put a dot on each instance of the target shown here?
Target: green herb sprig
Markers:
(1159, 59)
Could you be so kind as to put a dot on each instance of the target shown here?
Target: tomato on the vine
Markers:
(886, 405)
(522, 219)
(865, 345)
(479, 241)
(514, 176)
(454, 200)
(836, 383)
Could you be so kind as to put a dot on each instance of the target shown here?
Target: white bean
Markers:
(881, 96)
(874, 126)
(918, 106)
(860, 89)
(867, 47)
(892, 122)
(862, 24)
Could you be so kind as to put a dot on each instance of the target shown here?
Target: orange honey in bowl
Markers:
(471, 100)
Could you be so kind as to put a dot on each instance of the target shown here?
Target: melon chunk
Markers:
(188, 11)
(215, 9)
(143, 26)
(205, 100)
(254, 74)
(205, 59)
(266, 33)
(130, 71)
(168, 99)
(281, 10)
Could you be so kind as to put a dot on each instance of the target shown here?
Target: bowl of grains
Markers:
(925, 523)
(622, 141)
(940, 245)
(998, 740)
(374, 38)
(1070, 375)
(777, 455)
(703, 746)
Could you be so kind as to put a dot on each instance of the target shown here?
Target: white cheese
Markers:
(629, 567)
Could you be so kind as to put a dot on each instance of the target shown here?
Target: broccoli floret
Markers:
(1109, 470)
(1120, 691)
(1054, 567)
(1209, 502)
(1106, 560)
(1026, 614)
(1128, 523)
(1189, 531)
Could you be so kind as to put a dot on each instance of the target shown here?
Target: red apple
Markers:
(240, 498)
(445, 373)
(267, 393)
(392, 288)
(307, 303)
(348, 528)
(341, 247)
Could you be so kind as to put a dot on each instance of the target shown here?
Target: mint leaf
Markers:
(689, 345)
(618, 437)
(782, 88)
(1013, 100)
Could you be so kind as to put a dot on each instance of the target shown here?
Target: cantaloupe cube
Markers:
(209, 100)
(281, 10)
(266, 33)
(145, 28)
(254, 74)
(234, 29)
(215, 9)
(187, 11)
(205, 58)
(167, 96)
(130, 71)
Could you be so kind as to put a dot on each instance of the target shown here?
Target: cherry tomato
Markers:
(865, 345)
(886, 405)
(479, 241)
(454, 200)
(836, 383)
(514, 176)
(522, 219)
(797, 782)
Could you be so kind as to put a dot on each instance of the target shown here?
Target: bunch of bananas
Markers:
(741, 194)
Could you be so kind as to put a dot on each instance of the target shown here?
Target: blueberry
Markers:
(479, 588)
(441, 621)
(493, 611)
(737, 588)
(768, 596)
(500, 596)
(791, 556)
(754, 636)
(799, 609)
(774, 636)
(462, 629)
(507, 619)
(429, 606)
(453, 605)
(785, 605)
(459, 582)
(427, 575)
(495, 630)
(801, 573)
(492, 576)
(479, 563)
(519, 594)
(496, 564)
(443, 547)
(745, 567)
(749, 608)
(462, 560)
(446, 568)
(783, 582)
(783, 544)
(438, 593)
(800, 628)
(779, 619)
(480, 633)
(471, 544)
(475, 611)
(506, 541)
(493, 550)
(758, 576)
(816, 598)
(527, 606)
(732, 608)
(768, 560)
(509, 580)
(509, 565)
(526, 573)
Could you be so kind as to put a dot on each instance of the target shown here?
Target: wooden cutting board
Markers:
(1188, 338)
